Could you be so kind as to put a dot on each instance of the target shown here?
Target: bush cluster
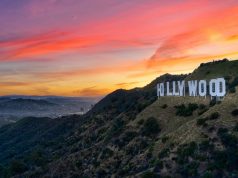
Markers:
(150, 127)
(234, 112)
(164, 106)
(214, 116)
(236, 128)
(201, 122)
(202, 109)
(182, 110)
(232, 85)
(149, 174)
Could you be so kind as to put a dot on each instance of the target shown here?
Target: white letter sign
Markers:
(217, 88)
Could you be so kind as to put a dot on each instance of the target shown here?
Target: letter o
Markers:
(212, 85)
(220, 87)
(202, 85)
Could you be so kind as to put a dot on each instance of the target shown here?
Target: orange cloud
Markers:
(32, 40)
(38, 46)
(123, 67)
(126, 84)
(207, 30)
(13, 84)
(92, 91)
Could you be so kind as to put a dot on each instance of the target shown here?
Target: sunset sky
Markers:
(92, 47)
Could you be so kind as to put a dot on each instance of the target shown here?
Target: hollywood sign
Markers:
(214, 88)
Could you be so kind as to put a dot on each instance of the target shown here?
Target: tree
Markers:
(234, 112)
(17, 167)
(150, 127)
(149, 174)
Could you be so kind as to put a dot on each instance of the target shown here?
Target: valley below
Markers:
(14, 108)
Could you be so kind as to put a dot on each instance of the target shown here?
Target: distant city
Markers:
(15, 107)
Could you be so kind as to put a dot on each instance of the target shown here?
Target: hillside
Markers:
(131, 133)
(222, 68)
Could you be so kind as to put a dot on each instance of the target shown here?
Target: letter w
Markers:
(192, 85)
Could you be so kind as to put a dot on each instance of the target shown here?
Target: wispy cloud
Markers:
(13, 84)
(126, 84)
(91, 91)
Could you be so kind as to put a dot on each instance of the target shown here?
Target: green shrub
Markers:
(182, 110)
(207, 174)
(116, 127)
(186, 150)
(190, 169)
(3, 171)
(220, 159)
(214, 116)
(229, 140)
(17, 167)
(106, 153)
(234, 83)
(202, 111)
(164, 106)
(128, 136)
(192, 106)
(212, 102)
(164, 139)
(234, 112)
(232, 90)
(236, 127)
(150, 127)
(101, 173)
(201, 122)
(140, 122)
(149, 174)
(159, 164)
(222, 131)
(37, 158)
(206, 145)
(78, 163)
(227, 78)
(211, 129)
(202, 106)
(164, 153)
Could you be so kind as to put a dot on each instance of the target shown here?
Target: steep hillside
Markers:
(131, 133)
(195, 145)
